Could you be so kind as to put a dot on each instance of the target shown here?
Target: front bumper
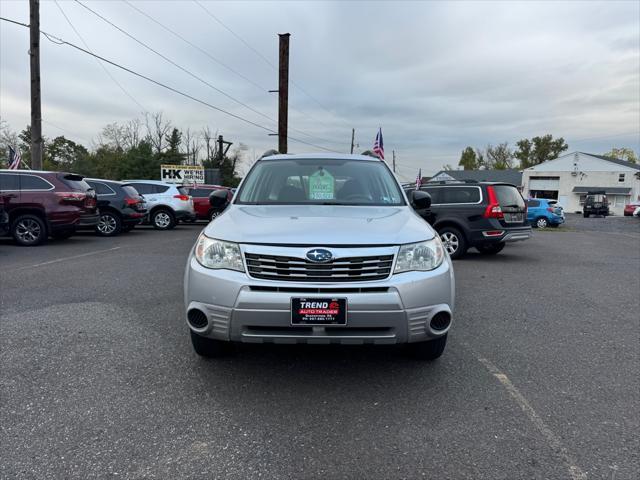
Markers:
(242, 309)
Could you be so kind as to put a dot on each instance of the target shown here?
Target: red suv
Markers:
(42, 204)
(200, 195)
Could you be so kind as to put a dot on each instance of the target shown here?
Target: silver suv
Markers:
(319, 249)
(167, 203)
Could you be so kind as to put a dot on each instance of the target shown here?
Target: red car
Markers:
(630, 208)
(200, 195)
(42, 204)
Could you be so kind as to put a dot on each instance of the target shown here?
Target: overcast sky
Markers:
(437, 76)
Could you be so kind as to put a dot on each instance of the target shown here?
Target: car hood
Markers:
(319, 225)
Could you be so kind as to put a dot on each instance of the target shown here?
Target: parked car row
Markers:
(36, 205)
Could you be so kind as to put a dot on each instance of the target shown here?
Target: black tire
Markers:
(110, 224)
(491, 249)
(209, 347)
(163, 219)
(28, 230)
(585, 215)
(454, 241)
(541, 222)
(430, 350)
(213, 214)
(62, 234)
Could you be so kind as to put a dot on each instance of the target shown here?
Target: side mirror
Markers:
(421, 200)
(218, 198)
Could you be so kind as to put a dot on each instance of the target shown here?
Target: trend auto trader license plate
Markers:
(318, 311)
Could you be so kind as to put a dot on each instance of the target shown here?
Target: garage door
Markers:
(544, 184)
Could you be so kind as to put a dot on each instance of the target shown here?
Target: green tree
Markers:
(62, 153)
(499, 157)
(622, 153)
(469, 159)
(172, 155)
(539, 149)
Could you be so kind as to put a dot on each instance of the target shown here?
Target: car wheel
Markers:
(163, 219)
(29, 230)
(214, 214)
(209, 347)
(585, 215)
(109, 224)
(453, 241)
(428, 350)
(542, 222)
(491, 249)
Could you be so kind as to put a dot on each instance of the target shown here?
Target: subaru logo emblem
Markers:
(319, 255)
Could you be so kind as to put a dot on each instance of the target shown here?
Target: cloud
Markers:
(437, 76)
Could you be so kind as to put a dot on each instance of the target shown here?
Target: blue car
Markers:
(543, 213)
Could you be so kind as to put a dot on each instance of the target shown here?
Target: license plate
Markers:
(513, 217)
(318, 311)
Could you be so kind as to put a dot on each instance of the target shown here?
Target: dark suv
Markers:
(121, 206)
(481, 215)
(595, 203)
(42, 204)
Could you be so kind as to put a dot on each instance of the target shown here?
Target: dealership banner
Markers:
(181, 174)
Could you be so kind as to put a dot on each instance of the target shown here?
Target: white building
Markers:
(568, 179)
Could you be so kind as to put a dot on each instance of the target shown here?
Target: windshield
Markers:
(508, 196)
(320, 182)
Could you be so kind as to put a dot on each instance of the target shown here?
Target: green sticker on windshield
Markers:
(322, 186)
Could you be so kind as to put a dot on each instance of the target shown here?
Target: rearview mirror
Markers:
(420, 199)
(218, 198)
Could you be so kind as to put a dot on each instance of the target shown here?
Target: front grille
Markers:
(293, 269)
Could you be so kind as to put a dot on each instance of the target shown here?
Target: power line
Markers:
(265, 59)
(203, 51)
(99, 62)
(58, 41)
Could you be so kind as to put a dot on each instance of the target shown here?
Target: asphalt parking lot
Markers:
(539, 380)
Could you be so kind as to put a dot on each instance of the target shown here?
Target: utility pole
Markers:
(222, 151)
(394, 160)
(36, 110)
(283, 92)
(353, 136)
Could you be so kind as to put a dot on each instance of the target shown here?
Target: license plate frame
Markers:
(316, 314)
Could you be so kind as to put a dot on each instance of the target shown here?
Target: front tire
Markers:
(109, 225)
(542, 223)
(491, 249)
(29, 230)
(453, 241)
(430, 350)
(209, 347)
(585, 215)
(214, 214)
(163, 219)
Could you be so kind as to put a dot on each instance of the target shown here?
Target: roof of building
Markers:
(624, 163)
(512, 176)
(607, 190)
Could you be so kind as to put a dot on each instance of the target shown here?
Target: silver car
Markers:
(319, 249)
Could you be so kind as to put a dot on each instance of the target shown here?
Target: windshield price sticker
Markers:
(322, 186)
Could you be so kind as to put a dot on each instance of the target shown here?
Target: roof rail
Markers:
(445, 182)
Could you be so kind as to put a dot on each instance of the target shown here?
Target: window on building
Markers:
(621, 177)
(583, 198)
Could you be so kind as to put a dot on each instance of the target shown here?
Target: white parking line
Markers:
(575, 472)
(97, 252)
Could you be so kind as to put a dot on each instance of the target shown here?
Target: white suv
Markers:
(167, 203)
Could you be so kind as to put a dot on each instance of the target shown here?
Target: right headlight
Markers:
(420, 256)
(212, 253)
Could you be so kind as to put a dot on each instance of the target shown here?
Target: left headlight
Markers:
(212, 253)
(422, 256)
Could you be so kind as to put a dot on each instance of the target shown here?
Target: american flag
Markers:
(14, 159)
(419, 179)
(378, 145)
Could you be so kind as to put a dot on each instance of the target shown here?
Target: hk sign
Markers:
(181, 174)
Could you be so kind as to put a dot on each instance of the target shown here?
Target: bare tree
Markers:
(499, 157)
(157, 130)
(7, 138)
(132, 133)
(112, 135)
(209, 143)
